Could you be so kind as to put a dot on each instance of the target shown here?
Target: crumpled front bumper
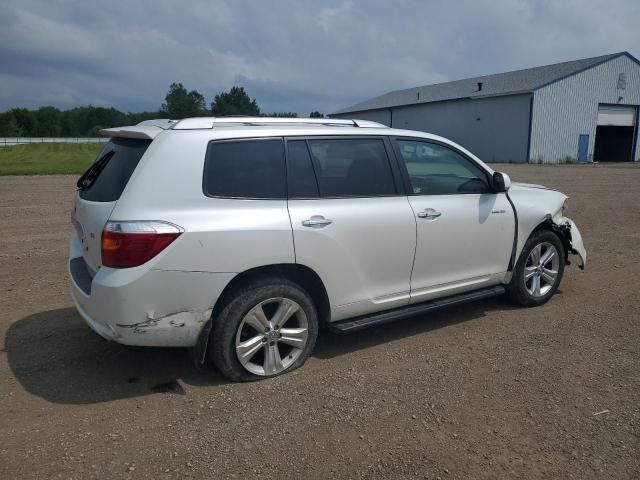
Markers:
(574, 237)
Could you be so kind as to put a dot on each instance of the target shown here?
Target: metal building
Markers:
(579, 111)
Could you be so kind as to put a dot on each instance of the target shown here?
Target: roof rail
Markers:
(212, 122)
(368, 124)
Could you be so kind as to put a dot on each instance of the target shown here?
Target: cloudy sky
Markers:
(291, 55)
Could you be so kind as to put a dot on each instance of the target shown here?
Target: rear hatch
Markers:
(99, 189)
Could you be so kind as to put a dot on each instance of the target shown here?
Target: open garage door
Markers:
(615, 133)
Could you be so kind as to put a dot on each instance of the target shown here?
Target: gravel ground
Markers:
(479, 391)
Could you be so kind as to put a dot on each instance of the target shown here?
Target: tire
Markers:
(250, 340)
(535, 281)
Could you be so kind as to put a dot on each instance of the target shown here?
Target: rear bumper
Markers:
(142, 306)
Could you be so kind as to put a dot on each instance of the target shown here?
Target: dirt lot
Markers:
(481, 391)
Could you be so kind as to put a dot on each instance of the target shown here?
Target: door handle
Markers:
(429, 213)
(316, 221)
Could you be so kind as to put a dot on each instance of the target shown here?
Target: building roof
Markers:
(509, 83)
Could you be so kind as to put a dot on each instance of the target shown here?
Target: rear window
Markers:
(245, 169)
(106, 178)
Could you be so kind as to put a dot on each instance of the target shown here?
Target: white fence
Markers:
(6, 141)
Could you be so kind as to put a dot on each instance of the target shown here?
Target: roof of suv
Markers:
(150, 128)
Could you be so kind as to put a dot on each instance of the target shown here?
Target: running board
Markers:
(359, 323)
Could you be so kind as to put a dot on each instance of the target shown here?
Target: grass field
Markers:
(47, 158)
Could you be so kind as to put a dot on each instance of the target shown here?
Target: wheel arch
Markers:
(547, 224)
(300, 274)
(563, 234)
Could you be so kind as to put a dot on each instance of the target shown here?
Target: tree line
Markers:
(88, 121)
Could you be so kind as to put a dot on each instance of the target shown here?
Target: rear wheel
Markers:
(268, 328)
(539, 270)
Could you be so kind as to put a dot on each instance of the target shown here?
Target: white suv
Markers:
(241, 237)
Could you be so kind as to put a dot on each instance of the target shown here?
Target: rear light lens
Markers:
(129, 244)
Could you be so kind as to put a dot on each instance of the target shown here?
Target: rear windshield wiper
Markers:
(88, 177)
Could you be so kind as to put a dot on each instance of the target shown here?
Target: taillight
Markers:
(129, 244)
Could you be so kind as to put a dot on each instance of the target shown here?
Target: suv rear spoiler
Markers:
(145, 132)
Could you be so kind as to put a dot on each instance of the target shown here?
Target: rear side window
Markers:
(352, 167)
(106, 178)
(301, 179)
(245, 169)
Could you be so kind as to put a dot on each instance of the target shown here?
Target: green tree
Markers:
(76, 122)
(47, 122)
(67, 126)
(9, 126)
(234, 102)
(24, 119)
(181, 104)
(316, 115)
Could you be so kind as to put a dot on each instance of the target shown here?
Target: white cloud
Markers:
(330, 18)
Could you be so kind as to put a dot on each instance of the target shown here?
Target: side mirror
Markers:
(501, 182)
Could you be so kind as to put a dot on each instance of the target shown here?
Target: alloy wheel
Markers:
(272, 336)
(541, 269)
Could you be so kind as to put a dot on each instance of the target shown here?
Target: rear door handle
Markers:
(429, 213)
(316, 221)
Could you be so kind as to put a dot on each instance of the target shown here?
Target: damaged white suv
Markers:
(241, 237)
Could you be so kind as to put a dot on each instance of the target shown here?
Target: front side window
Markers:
(351, 167)
(245, 169)
(438, 170)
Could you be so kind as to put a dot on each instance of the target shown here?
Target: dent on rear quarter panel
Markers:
(177, 320)
(179, 329)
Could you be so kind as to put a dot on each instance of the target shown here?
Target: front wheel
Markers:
(539, 270)
(268, 329)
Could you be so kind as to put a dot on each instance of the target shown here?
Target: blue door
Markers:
(583, 148)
